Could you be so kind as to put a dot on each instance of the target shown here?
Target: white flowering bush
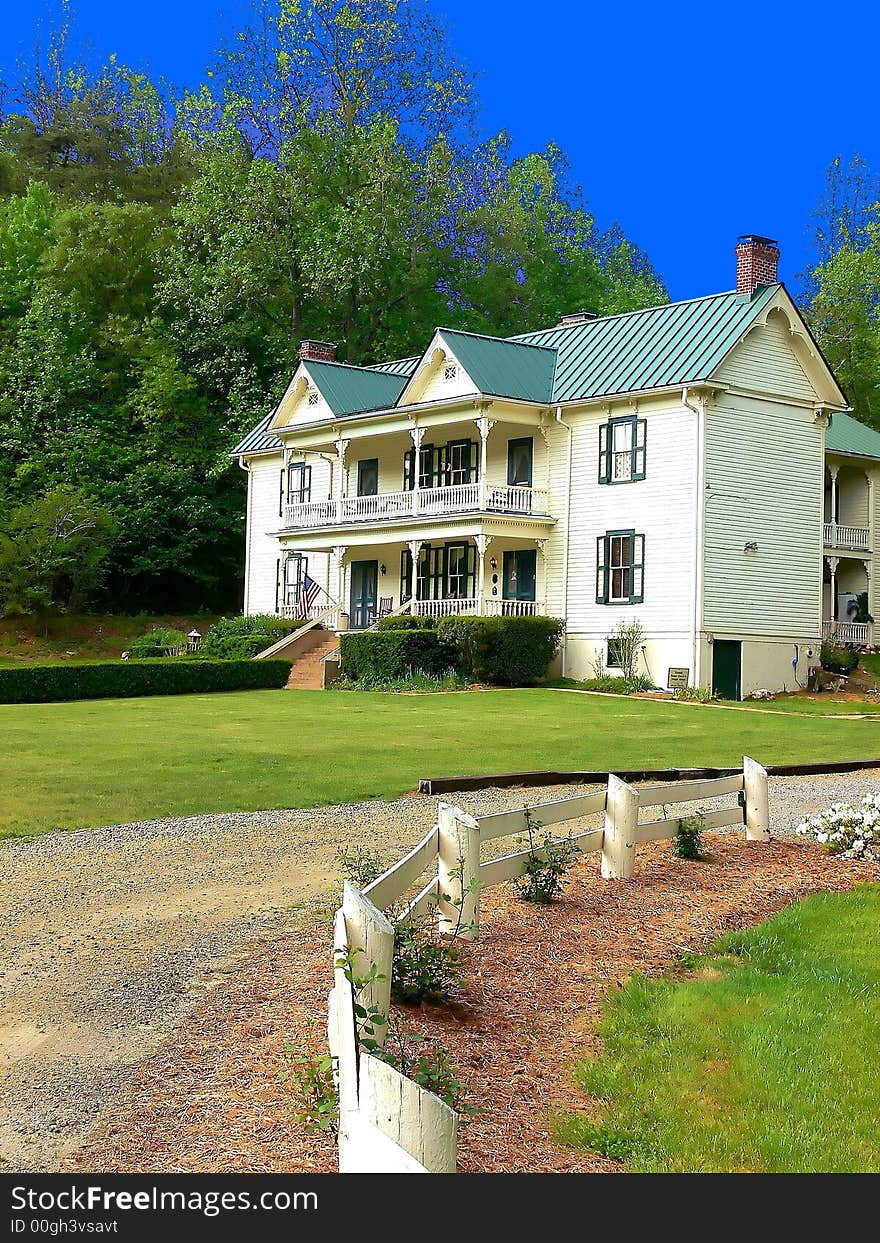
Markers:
(853, 832)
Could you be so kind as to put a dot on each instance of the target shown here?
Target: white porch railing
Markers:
(457, 498)
(513, 608)
(837, 536)
(445, 608)
(856, 633)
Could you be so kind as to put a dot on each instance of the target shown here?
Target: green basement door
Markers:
(727, 668)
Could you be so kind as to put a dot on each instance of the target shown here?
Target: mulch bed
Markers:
(212, 1099)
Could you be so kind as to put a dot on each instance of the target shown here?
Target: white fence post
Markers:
(757, 801)
(621, 828)
(458, 871)
(367, 929)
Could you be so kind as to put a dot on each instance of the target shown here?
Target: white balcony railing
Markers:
(430, 502)
(837, 536)
(856, 633)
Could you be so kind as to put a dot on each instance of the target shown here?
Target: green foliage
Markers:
(858, 609)
(314, 1091)
(360, 865)
(427, 963)
(616, 686)
(694, 694)
(157, 643)
(415, 680)
(503, 651)
(406, 622)
(367, 1017)
(838, 659)
(427, 1063)
(242, 638)
(549, 861)
(53, 552)
(688, 840)
(385, 655)
(50, 683)
(625, 645)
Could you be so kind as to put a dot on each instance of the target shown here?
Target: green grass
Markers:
(763, 1060)
(68, 765)
(822, 705)
(81, 637)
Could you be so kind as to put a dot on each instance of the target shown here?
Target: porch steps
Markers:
(307, 673)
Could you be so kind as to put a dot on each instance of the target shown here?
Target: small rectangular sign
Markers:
(677, 679)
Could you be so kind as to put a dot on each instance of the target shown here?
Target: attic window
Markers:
(450, 371)
(313, 397)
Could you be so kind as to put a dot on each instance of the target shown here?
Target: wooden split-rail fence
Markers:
(387, 1122)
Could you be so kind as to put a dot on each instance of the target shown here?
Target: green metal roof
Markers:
(660, 347)
(848, 435)
(258, 439)
(398, 366)
(348, 390)
(504, 368)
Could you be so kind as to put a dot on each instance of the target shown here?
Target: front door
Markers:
(364, 583)
(520, 574)
(727, 668)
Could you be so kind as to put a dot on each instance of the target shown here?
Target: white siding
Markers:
(263, 550)
(660, 507)
(429, 383)
(764, 470)
(766, 363)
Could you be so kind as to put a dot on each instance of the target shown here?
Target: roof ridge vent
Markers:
(576, 317)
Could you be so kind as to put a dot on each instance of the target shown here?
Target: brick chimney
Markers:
(317, 351)
(757, 259)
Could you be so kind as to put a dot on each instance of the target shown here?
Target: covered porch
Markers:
(476, 575)
(846, 596)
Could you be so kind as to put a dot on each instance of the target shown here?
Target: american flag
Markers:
(308, 595)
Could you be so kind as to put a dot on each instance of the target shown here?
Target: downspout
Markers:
(245, 466)
(699, 412)
(568, 428)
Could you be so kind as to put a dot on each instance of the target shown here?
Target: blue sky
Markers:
(689, 123)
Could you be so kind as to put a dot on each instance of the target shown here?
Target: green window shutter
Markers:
(637, 569)
(473, 463)
(638, 450)
(409, 470)
(281, 494)
(277, 581)
(604, 453)
(602, 569)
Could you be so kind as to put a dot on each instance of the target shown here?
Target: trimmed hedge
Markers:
(54, 683)
(157, 643)
(405, 622)
(504, 651)
(387, 654)
(242, 638)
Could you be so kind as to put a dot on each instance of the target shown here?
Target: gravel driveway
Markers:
(111, 935)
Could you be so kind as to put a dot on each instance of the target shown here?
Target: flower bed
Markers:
(853, 832)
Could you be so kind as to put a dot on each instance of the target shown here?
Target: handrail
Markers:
(319, 617)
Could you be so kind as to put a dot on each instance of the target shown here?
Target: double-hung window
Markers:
(299, 482)
(622, 450)
(426, 467)
(620, 568)
(460, 465)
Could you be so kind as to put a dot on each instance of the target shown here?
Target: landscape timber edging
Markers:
(446, 785)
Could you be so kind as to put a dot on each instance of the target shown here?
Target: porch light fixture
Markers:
(382, 570)
(493, 564)
(751, 546)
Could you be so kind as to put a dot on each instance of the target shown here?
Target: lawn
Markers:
(762, 1060)
(69, 765)
(81, 637)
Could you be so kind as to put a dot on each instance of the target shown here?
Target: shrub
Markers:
(838, 659)
(624, 647)
(853, 832)
(54, 683)
(242, 638)
(405, 622)
(157, 643)
(360, 865)
(688, 840)
(414, 680)
(617, 686)
(426, 962)
(547, 866)
(314, 1091)
(504, 651)
(387, 654)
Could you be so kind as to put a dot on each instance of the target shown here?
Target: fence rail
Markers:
(387, 1122)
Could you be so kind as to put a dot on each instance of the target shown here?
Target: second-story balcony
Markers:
(839, 536)
(459, 498)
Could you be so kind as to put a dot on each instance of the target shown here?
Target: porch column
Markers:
(833, 563)
(541, 596)
(415, 547)
(342, 489)
(484, 427)
(834, 500)
(482, 542)
(340, 550)
(418, 435)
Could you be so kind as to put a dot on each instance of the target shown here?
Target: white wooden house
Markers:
(666, 464)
